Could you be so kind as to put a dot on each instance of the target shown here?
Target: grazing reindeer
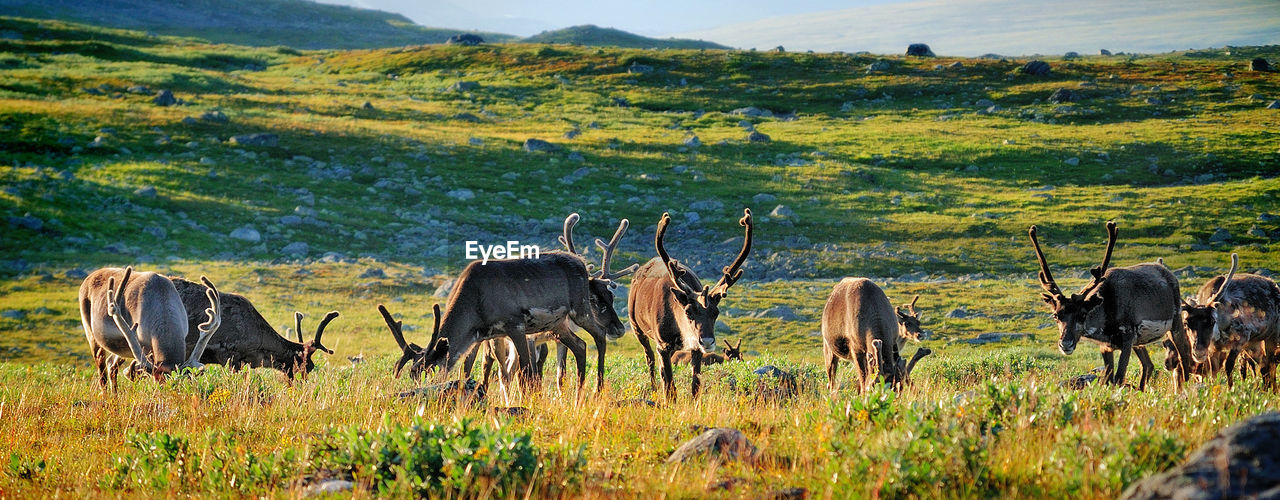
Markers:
(247, 340)
(141, 317)
(1235, 313)
(669, 305)
(731, 353)
(859, 324)
(1122, 308)
(519, 296)
(409, 352)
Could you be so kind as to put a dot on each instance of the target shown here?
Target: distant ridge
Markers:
(592, 35)
(300, 24)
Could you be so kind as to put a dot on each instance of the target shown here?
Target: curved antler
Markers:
(1046, 277)
(208, 328)
(734, 271)
(1235, 261)
(320, 331)
(297, 325)
(117, 311)
(566, 238)
(911, 365)
(673, 266)
(1100, 271)
(608, 249)
(912, 306)
(409, 351)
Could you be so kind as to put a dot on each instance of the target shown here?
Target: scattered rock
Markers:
(296, 248)
(368, 106)
(1239, 462)
(27, 221)
(919, 50)
(1104, 52)
(214, 116)
(443, 290)
(1274, 105)
(145, 192)
(621, 102)
(467, 39)
(466, 117)
(955, 65)
(1259, 64)
(763, 198)
(984, 103)
(878, 66)
(164, 98)
(962, 313)
(1036, 68)
(76, 274)
(1073, 161)
(752, 112)
(260, 139)
(539, 145)
(781, 312)
(990, 338)
(757, 136)
(724, 443)
(572, 134)
(692, 141)
(461, 194)
(1070, 55)
(575, 156)
(17, 314)
(782, 212)
(1219, 235)
(637, 68)
(463, 86)
(1063, 96)
(328, 487)
(1268, 217)
(246, 233)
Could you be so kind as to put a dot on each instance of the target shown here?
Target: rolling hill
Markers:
(592, 35)
(296, 23)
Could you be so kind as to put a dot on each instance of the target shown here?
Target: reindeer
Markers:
(515, 297)
(859, 324)
(248, 340)
(1122, 308)
(731, 353)
(143, 318)
(1235, 313)
(669, 305)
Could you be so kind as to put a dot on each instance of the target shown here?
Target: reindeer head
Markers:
(1079, 312)
(1202, 320)
(909, 321)
(413, 353)
(904, 367)
(301, 364)
(732, 352)
(601, 316)
(701, 307)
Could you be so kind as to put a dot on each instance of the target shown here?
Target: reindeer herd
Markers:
(515, 308)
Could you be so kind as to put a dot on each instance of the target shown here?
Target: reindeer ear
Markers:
(682, 297)
(1049, 299)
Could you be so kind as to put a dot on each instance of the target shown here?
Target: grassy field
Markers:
(383, 167)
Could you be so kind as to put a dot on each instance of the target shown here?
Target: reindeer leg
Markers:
(668, 382)
(523, 357)
(601, 346)
(1230, 366)
(833, 365)
(489, 358)
(100, 362)
(542, 350)
(695, 361)
(562, 354)
(579, 348)
(1267, 364)
(864, 375)
(1147, 366)
(1122, 365)
(469, 362)
(648, 354)
(1109, 361)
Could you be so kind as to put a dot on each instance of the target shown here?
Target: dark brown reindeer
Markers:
(1233, 314)
(514, 298)
(248, 340)
(141, 317)
(1121, 308)
(731, 353)
(859, 324)
(669, 305)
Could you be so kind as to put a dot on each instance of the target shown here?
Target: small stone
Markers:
(463, 86)
(467, 39)
(164, 98)
(539, 145)
(572, 134)
(28, 221)
(763, 198)
(723, 443)
(17, 314)
(214, 116)
(461, 194)
(1073, 161)
(1063, 96)
(1256, 232)
(76, 274)
(290, 220)
(1219, 235)
(757, 136)
(259, 139)
(919, 50)
(984, 103)
(575, 156)
(1104, 52)
(368, 106)
(692, 141)
(443, 290)
(373, 273)
(1259, 64)
(475, 141)
(782, 212)
(246, 233)
(296, 248)
(1036, 68)
(1274, 105)
(878, 66)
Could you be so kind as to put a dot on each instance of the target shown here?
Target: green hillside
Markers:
(595, 36)
(300, 24)
(318, 180)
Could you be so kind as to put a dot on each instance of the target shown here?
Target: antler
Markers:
(673, 266)
(117, 311)
(1046, 277)
(566, 239)
(410, 351)
(912, 306)
(320, 331)
(734, 271)
(297, 325)
(207, 328)
(739, 346)
(920, 353)
(1235, 261)
(608, 249)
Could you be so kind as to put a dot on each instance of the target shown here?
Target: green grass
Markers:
(881, 187)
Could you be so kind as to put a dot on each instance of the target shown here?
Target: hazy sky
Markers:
(650, 18)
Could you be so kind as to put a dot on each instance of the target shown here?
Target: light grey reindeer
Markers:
(1122, 309)
(859, 324)
(1233, 314)
(141, 317)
